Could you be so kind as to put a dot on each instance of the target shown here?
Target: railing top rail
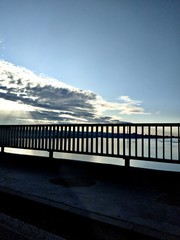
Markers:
(95, 124)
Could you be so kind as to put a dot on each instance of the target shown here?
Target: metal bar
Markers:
(179, 143)
(102, 142)
(163, 144)
(69, 138)
(156, 133)
(61, 138)
(142, 141)
(46, 138)
(129, 127)
(57, 138)
(53, 138)
(124, 141)
(112, 140)
(64, 137)
(171, 153)
(149, 142)
(118, 145)
(107, 141)
(78, 145)
(82, 139)
(92, 139)
(97, 139)
(87, 139)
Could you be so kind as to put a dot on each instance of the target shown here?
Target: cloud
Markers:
(40, 98)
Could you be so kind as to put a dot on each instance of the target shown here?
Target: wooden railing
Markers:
(151, 142)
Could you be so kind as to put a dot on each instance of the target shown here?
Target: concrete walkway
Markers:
(143, 201)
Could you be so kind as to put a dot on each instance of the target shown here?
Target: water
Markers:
(156, 148)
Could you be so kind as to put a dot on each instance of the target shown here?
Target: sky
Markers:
(92, 61)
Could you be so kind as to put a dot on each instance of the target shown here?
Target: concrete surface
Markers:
(143, 201)
(14, 229)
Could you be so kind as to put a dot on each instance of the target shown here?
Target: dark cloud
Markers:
(54, 101)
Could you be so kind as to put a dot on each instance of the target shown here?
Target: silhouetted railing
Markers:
(152, 142)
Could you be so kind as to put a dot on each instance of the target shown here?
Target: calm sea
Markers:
(119, 161)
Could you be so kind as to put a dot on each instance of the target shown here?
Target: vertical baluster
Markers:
(45, 137)
(179, 143)
(142, 141)
(10, 136)
(163, 144)
(60, 137)
(57, 138)
(34, 137)
(19, 136)
(69, 139)
(87, 139)
(129, 140)
(149, 142)
(2, 136)
(77, 135)
(73, 139)
(124, 140)
(112, 140)
(136, 145)
(37, 137)
(171, 152)
(64, 137)
(23, 137)
(102, 138)
(118, 145)
(6, 136)
(156, 133)
(82, 137)
(40, 137)
(29, 136)
(97, 135)
(107, 140)
(15, 136)
(91, 137)
(52, 137)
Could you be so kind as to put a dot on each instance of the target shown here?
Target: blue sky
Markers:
(125, 52)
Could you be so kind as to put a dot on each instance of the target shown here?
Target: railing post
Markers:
(127, 162)
(50, 154)
(2, 149)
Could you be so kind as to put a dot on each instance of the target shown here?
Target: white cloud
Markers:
(47, 99)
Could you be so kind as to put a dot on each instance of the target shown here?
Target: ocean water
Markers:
(170, 149)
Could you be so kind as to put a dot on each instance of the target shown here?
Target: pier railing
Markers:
(151, 142)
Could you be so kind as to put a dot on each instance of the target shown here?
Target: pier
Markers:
(48, 198)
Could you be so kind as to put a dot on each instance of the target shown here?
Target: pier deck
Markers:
(129, 202)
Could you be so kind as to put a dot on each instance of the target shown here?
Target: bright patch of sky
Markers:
(95, 61)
